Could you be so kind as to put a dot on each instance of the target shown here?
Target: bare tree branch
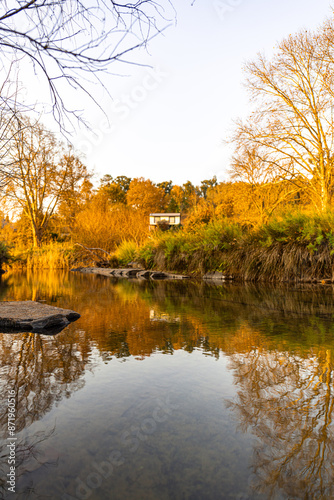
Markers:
(291, 130)
(74, 42)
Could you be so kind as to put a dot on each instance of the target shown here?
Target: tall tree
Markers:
(40, 175)
(292, 127)
(190, 196)
(166, 186)
(77, 187)
(207, 184)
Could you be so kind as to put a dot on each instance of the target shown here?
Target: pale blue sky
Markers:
(170, 122)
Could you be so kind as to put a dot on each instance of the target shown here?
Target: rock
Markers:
(156, 275)
(130, 273)
(136, 265)
(216, 275)
(34, 316)
(144, 275)
(177, 276)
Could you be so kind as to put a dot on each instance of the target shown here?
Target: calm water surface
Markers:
(170, 390)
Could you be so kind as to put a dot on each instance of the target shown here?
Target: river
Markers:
(169, 390)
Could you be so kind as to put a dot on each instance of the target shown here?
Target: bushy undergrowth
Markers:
(194, 251)
(290, 248)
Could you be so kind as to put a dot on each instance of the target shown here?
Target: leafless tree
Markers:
(8, 114)
(38, 175)
(292, 127)
(72, 43)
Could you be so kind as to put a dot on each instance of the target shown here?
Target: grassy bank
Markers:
(293, 247)
(296, 247)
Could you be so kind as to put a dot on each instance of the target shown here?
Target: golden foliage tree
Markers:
(77, 188)
(145, 197)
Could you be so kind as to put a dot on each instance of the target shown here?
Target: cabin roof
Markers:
(169, 214)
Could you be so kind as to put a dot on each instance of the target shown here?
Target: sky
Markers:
(169, 120)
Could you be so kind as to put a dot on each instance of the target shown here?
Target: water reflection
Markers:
(27, 460)
(286, 399)
(41, 370)
(279, 344)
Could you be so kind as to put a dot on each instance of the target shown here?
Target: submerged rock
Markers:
(34, 317)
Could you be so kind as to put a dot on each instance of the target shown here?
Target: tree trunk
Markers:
(36, 236)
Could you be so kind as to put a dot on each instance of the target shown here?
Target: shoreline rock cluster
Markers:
(130, 273)
(217, 277)
(145, 274)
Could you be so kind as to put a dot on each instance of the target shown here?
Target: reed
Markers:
(125, 253)
(49, 256)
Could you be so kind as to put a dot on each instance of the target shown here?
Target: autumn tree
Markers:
(190, 196)
(77, 188)
(176, 197)
(9, 111)
(145, 197)
(265, 192)
(115, 189)
(40, 177)
(166, 186)
(207, 184)
(291, 129)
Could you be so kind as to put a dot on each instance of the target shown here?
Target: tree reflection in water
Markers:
(41, 370)
(286, 399)
(279, 346)
(27, 459)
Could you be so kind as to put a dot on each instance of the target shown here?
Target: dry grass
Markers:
(50, 256)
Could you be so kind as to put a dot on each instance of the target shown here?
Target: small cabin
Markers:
(172, 219)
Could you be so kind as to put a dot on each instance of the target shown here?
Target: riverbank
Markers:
(294, 248)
